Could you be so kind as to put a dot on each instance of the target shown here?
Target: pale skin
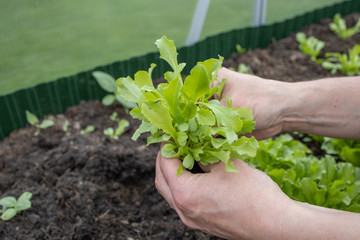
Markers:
(248, 204)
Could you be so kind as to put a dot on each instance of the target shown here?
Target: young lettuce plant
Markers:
(88, 129)
(34, 121)
(304, 177)
(114, 117)
(347, 149)
(65, 126)
(185, 115)
(310, 46)
(11, 206)
(338, 26)
(242, 68)
(122, 125)
(240, 49)
(347, 64)
(107, 82)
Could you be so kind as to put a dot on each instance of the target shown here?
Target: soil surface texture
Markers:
(93, 187)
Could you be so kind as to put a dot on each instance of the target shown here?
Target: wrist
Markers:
(292, 110)
(272, 221)
(299, 222)
(313, 107)
(286, 101)
(306, 221)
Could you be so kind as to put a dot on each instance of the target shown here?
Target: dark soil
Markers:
(282, 60)
(93, 187)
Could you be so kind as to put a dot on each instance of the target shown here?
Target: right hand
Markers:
(262, 96)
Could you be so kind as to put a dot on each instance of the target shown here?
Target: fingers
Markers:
(228, 74)
(222, 74)
(161, 184)
(168, 168)
(220, 77)
(167, 182)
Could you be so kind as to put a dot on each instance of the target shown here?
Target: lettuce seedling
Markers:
(240, 49)
(88, 129)
(122, 125)
(107, 82)
(11, 206)
(185, 115)
(66, 126)
(114, 117)
(347, 149)
(34, 121)
(338, 26)
(347, 64)
(303, 177)
(310, 46)
(242, 68)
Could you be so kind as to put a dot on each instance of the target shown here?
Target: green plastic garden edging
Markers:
(54, 97)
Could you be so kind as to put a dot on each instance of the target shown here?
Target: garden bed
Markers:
(93, 187)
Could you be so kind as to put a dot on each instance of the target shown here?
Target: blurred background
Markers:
(42, 40)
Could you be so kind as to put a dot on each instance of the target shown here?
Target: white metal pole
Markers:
(198, 22)
(259, 12)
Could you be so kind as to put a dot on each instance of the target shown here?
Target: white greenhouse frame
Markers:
(259, 15)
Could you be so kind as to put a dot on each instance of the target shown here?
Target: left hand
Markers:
(244, 205)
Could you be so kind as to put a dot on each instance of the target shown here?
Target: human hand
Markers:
(244, 205)
(264, 97)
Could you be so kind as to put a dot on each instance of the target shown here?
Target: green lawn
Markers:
(42, 40)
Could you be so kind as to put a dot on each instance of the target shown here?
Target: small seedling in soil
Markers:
(338, 26)
(240, 49)
(347, 64)
(122, 125)
(11, 206)
(114, 117)
(107, 82)
(310, 46)
(34, 121)
(66, 126)
(184, 114)
(242, 68)
(88, 129)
